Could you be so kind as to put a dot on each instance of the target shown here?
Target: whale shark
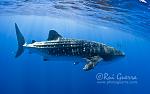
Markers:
(57, 46)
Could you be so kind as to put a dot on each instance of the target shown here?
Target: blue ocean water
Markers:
(123, 24)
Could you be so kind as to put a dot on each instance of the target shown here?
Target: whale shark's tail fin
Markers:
(21, 41)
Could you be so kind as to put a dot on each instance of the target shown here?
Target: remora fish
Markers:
(58, 46)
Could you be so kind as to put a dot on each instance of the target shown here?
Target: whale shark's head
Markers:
(112, 51)
(119, 53)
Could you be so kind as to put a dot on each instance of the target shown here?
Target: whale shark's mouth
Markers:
(120, 53)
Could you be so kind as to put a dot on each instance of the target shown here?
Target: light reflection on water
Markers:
(132, 14)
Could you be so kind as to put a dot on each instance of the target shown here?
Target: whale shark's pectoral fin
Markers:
(53, 35)
(92, 62)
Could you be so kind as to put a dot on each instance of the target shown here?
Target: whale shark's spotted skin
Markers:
(69, 47)
(56, 45)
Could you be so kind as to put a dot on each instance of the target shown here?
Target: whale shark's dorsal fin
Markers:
(53, 35)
